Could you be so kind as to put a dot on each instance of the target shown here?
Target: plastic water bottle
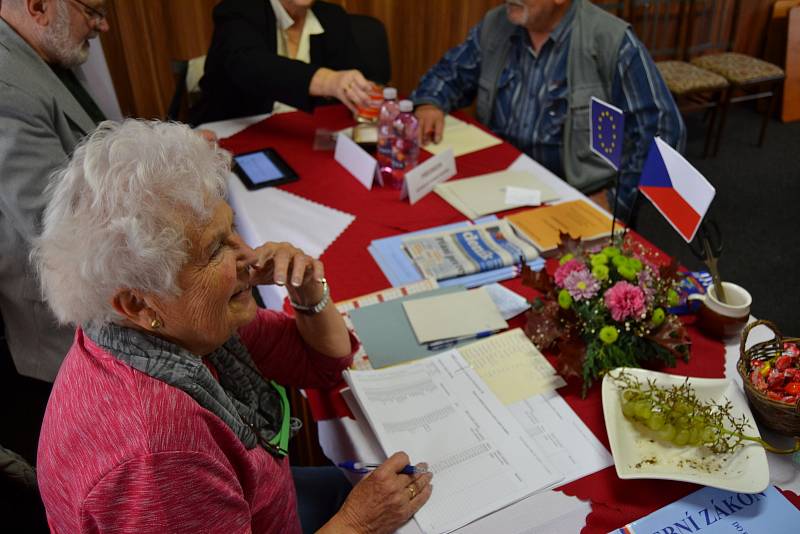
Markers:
(389, 111)
(405, 148)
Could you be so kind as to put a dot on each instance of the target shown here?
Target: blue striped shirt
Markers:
(531, 102)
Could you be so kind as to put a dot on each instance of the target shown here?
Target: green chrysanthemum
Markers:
(600, 272)
(672, 297)
(626, 271)
(598, 259)
(658, 316)
(564, 299)
(611, 251)
(565, 258)
(608, 335)
(619, 261)
(635, 264)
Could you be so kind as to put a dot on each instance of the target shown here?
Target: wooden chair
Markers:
(664, 27)
(749, 77)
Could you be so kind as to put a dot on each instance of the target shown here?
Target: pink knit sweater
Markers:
(123, 452)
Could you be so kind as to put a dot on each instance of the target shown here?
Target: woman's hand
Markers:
(349, 86)
(278, 263)
(285, 265)
(383, 501)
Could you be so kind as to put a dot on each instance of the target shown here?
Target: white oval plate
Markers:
(636, 455)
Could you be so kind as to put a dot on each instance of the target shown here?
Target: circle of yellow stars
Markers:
(606, 146)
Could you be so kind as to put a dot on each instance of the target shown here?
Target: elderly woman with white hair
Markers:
(169, 411)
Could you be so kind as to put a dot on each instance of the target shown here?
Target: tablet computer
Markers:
(263, 168)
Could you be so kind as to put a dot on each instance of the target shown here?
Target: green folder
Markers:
(387, 335)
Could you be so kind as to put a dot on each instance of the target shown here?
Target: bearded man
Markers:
(533, 66)
(44, 112)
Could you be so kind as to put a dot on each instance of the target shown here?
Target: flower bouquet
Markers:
(605, 307)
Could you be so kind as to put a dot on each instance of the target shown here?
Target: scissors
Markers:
(711, 246)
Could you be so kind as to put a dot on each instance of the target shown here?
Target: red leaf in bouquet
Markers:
(569, 245)
(571, 353)
(672, 336)
(670, 273)
(543, 326)
(538, 280)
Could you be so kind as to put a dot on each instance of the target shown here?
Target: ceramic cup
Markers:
(723, 320)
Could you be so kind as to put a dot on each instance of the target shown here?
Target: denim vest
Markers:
(593, 51)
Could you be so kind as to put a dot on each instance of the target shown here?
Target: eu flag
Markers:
(608, 125)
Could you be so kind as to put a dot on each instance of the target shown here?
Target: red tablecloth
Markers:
(352, 272)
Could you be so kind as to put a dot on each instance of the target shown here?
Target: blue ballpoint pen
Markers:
(361, 467)
(453, 341)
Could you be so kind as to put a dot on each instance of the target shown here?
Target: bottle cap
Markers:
(406, 106)
(389, 93)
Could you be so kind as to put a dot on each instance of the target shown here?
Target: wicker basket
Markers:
(779, 416)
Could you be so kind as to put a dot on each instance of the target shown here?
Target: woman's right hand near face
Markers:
(384, 500)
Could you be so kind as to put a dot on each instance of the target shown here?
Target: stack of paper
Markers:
(462, 137)
(399, 269)
(485, 194)
(453, 316)
(439, 411)
(578, 218)
(525, 382)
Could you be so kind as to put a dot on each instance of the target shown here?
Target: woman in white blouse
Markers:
(296, 52)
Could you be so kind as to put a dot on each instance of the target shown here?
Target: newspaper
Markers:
(469, 250)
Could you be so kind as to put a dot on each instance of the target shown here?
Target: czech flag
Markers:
(675, 188)
(608, 127)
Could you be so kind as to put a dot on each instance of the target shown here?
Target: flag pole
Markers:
(614, 210)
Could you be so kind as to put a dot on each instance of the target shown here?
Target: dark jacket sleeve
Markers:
(244, 75)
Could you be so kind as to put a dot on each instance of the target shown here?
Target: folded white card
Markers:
(423, 178)
(356, 160)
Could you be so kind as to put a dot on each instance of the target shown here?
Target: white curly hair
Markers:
(118, 213)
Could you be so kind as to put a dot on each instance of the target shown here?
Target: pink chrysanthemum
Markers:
(581, 285)
(646, 282)
(565, 270)
(625, 300)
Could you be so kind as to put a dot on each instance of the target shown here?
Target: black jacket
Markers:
(244, 75)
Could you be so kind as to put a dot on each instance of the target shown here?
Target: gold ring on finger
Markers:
(412, 490)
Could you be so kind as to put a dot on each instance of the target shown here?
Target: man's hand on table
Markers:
(383, 501)
(431, 123)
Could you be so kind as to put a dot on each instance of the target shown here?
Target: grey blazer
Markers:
(40, 124)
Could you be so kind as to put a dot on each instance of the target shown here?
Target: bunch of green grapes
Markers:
(677, 416)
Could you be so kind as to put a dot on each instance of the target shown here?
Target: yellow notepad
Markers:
(454, 315)
(462, 137)
(511, 366)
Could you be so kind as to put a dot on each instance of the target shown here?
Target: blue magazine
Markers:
(715, 511)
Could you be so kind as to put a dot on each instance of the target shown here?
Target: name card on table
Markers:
(356, 160)
(423, 178)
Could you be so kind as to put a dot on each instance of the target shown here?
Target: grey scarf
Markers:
(242, 398)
